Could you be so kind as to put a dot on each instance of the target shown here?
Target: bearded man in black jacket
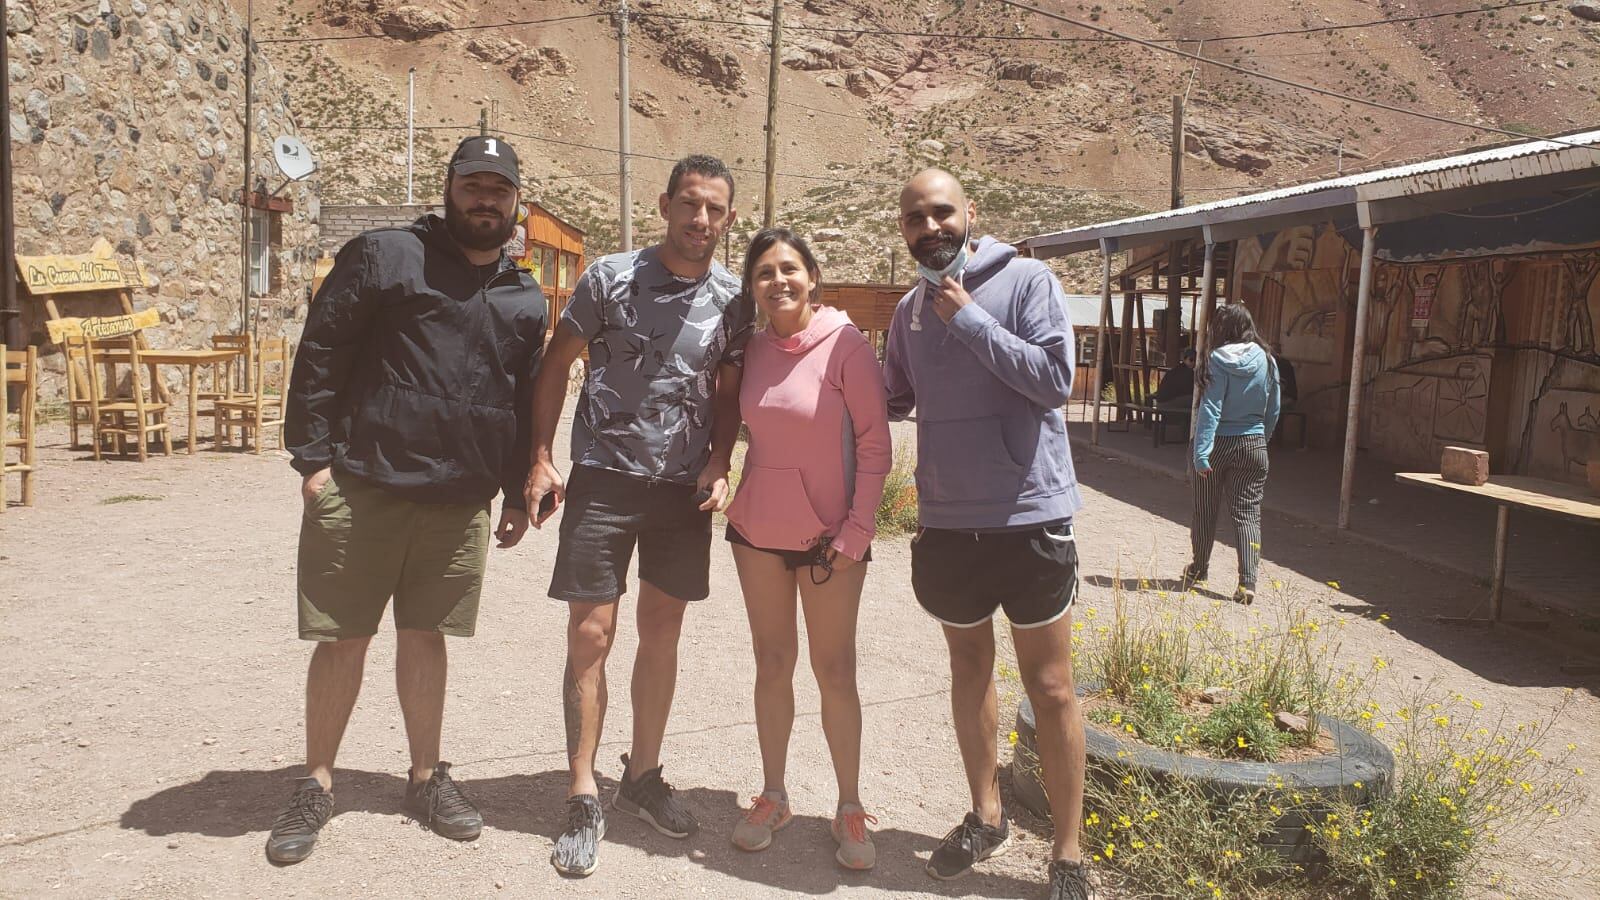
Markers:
(408, 410)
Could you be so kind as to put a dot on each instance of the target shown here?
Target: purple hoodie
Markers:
(988, 389)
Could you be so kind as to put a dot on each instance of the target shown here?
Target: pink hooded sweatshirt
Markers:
(819, 438)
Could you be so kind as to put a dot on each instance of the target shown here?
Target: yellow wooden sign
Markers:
(61, 274)
(101, 327)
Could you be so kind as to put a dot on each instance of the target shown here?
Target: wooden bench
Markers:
(1156, 418)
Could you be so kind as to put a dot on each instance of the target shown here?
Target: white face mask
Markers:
(959, 262)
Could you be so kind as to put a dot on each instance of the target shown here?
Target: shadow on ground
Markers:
(1410, 593)
(236, 804)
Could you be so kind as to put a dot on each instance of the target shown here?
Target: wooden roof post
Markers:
(1208, 296)
(1358, 359)
(1100, 335)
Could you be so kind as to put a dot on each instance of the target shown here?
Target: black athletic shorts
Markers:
(962, 577)
(606, 513)
(792, 559)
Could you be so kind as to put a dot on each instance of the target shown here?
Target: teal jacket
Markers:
(1241, 398)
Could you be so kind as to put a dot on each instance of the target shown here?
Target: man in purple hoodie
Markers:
(981, 348)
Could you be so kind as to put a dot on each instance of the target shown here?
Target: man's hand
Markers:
(1202, 469)
(543, 479)
(513, 525)
(949, 298)
(312, 484)
(713, 480)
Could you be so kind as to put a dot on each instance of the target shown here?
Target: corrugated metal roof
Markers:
(1085, 310)
(1344, 183)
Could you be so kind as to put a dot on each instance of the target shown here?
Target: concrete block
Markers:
(1463, 465)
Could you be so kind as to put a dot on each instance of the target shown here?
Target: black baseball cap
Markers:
(480, 153)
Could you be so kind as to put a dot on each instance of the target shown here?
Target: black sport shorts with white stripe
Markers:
(963, 577)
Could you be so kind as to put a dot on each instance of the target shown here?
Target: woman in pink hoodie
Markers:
(803, 520)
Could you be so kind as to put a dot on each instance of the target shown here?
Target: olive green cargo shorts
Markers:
(361, 545)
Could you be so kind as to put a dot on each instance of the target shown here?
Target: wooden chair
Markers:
(21, 368)
(222, 374)
(127, 414)
(264, 406)
(79, 371)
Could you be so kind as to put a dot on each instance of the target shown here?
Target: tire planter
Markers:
(1356, 757)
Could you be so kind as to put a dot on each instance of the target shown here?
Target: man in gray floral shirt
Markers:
(655, 428)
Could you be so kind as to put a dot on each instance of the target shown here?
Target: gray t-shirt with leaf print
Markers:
(655, 341)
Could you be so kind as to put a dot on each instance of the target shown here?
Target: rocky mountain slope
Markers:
(1053, 126)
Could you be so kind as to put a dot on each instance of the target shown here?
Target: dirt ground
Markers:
(152, 681)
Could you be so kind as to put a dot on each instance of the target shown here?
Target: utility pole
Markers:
(483, 121)
(891, 263)
(8, 234)
(1338, 163)
(244, 194)
(624, 151)
(770, 200)
(411, 127)
(1172, 325)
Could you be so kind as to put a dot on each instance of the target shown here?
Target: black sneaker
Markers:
(440, 804)
(653, 800)
(1192, 575)
(577, 850)
(295, 832)
(968, 843)
(1069, 881)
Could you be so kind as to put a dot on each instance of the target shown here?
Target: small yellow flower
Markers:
(1012, 737)
(1334, 585)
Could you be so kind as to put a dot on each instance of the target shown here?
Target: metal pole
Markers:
(1358, 361)
(483, 121)
(769, 201)
(624, 189)
(246, 324)
(1100, 335)
(1177, 151)
(411, 127)
(1201, 345)
(891, 264)
(8, 233)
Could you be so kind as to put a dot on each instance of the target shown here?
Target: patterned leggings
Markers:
(1239, 474)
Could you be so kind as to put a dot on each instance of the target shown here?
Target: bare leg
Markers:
(591, 629)
(769, 602)
(655, 673)
(332, 683)
(831, 632)
(419, 678)
(1044, 656)
(974, 707)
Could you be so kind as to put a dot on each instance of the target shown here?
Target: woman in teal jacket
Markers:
(1239, 402)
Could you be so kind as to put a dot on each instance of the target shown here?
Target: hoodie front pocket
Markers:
(966, 461)
(772, 508)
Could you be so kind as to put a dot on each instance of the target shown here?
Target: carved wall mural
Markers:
(1443, 335)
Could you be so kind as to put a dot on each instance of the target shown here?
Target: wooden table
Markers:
(1555, 498)
(192, 360)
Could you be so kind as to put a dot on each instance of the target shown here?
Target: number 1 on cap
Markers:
(493, 148)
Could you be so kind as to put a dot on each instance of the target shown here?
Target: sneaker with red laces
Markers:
(767, 814)
(855, 842)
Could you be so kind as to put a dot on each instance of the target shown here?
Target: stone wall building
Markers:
(126, 125)
(338, 224)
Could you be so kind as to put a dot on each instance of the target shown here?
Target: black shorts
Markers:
(792, 559)
(606, 513)
(962, 577)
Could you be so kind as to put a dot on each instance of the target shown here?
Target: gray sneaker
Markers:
(294, 834)
(577, 850)
(654, 801)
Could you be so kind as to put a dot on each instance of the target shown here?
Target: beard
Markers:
(938, 251)
(688, 251)
(478, 235)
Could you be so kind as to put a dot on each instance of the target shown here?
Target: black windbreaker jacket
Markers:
(415, 371)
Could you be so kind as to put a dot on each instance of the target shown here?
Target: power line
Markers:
(1373, 23)
(1257, 73)
(884, 32)
(428, 32)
